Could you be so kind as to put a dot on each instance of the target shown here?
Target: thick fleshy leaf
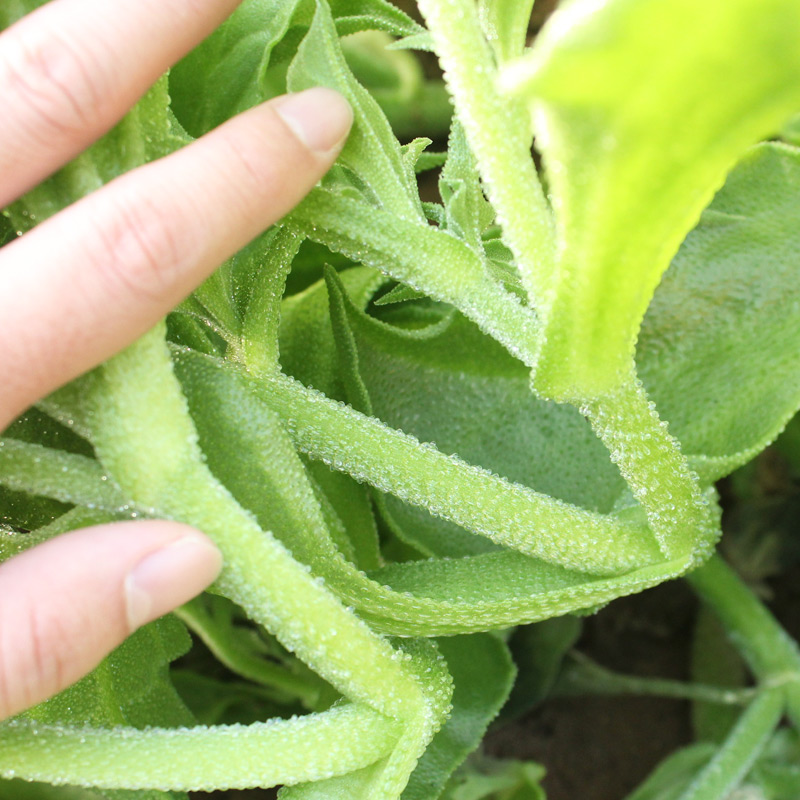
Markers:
(482, 672)
(505, 23)
(372, 152)
(633, 108)
(146, 133)
(257, 463)
(718, 350)
(440, 383)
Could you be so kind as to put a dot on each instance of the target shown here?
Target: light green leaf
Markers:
(632, 105)
(430, 598)
(62, 476)
(144, 134)
(227, 73)
(718, 351)
(505, 23)
(372, 15)
(467, 212)
(791, 131)
(372, 152)
(413, 254)
(440, 383)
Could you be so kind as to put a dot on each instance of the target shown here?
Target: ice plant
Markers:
(410, 425)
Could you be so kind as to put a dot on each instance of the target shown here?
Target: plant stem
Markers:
(143, 434)
(740, 750)
(264, 754)
(584, 676)
(499, 136)
(650, 460)
(770, 652)
(480, 501)
(262, 318)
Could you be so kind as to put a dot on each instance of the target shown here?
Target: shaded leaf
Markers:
(482, 672)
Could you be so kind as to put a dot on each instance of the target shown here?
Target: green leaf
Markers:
(505, 23)
(413, 253)
(482, 672)
(372, 15)
(674, 774)
(12, 10)
(467, 212)
(25, 790)
(440, 384)
(130, 687)
(538, 651)
(718, 351)
(244, 61)
(145, 133)
(715, 661)
(62, 476)
(7, 232)
(372, 152)
(433, 597)
(791, 131)
(228, 72)
(633, 108)
(497, 779)
(307, 346)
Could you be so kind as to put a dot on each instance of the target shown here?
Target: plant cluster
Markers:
(410, 426)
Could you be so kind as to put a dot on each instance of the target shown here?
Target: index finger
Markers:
(71, 69)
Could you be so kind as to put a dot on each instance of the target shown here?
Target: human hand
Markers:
(90, 280)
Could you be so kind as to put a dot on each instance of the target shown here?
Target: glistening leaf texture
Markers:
(363, 408)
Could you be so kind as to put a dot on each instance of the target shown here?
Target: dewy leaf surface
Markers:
(372, 152)
(633, 108)
(451, 385)
(483, 673)
(718, 351)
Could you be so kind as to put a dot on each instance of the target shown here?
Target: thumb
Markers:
(66, 604)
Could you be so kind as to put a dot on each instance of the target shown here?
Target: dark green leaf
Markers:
(482, 672)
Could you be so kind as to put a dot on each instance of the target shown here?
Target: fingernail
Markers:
(320, 118)
(169, 577)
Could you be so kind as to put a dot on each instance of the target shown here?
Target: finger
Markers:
(87, 282)
(69, 602)
(70, 70)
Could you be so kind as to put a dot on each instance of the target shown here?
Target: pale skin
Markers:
(89, 281)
